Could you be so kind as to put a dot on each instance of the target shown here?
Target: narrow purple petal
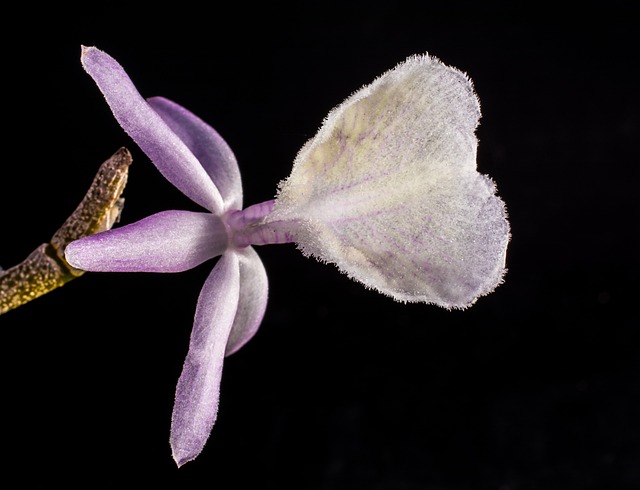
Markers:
(254, 289)
(165, 149)
(213, 152)
(170, 241)
(198, 390)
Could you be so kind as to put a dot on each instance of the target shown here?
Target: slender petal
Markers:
(388, 190)
(254, 288)
(170, 241)
(198, 390)
(165, 149)
(207, 145)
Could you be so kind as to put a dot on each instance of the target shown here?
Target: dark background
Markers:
(534, 387)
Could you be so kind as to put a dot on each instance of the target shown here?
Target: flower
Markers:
(387, 191)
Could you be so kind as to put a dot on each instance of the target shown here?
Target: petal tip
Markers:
(181, 457)
(71, 256)
(85, 50)
(179, 460)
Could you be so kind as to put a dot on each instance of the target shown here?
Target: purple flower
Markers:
(387, 191)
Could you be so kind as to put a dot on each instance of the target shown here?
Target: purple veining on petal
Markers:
(198, 390)
(169, 241)
(152, 134)
(211, 150)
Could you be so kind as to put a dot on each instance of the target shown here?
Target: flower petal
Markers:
(170, 241)
(254, 288)
(207, 145)
(388, 190)
(198, 390)
(165, 149)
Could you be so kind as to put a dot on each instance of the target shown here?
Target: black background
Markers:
(534, 387)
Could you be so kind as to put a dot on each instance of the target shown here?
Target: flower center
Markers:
(247, 227)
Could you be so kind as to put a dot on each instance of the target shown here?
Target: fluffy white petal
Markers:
(389, 192)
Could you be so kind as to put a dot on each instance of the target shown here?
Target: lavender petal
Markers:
(169, 241)
(166, 150)
(213, 152)
(254, 288)
(198, 390)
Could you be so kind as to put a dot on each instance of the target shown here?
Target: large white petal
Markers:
(389, 192)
